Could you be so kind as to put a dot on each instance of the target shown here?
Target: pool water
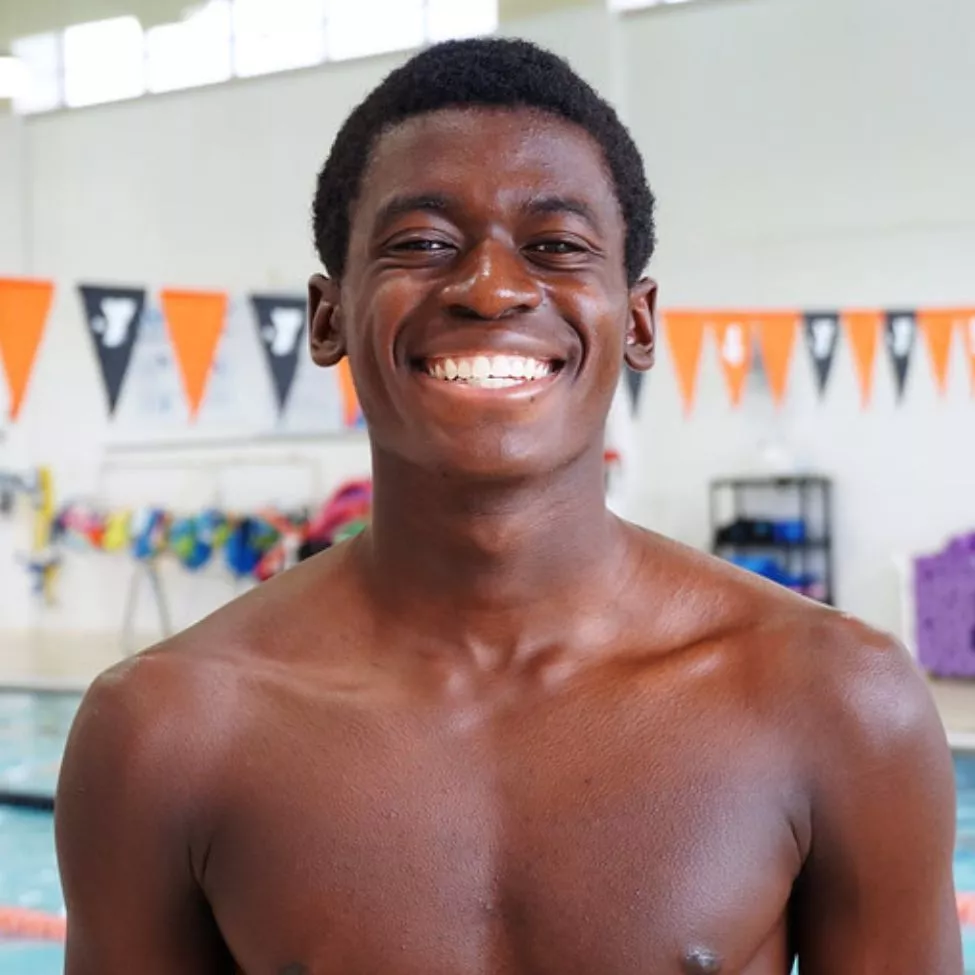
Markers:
(33, 728)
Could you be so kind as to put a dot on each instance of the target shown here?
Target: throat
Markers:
(489, 548)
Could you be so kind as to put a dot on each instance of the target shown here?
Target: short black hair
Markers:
(489, 72)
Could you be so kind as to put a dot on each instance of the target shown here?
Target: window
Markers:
(40, 59)
(115, 59)
(195, 51)
(640, 4)
(104, 61)
(12, 77)
(447, 19)
(356, 28)
(277, 35)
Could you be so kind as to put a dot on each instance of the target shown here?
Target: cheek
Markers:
(606, 319)
(374, 321)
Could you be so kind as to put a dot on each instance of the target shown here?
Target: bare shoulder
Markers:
(165, 719)
(302, 613)
(866, 711)
(844, 687)
(146, 734)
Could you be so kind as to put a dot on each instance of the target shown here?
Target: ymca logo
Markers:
(280, 321)
(733, 346)
(902, 335)
(116, 318)
(282, 332)
(823, 336)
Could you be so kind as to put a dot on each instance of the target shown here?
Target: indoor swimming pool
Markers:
(32, 733)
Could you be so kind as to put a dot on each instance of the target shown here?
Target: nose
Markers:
(492, 282)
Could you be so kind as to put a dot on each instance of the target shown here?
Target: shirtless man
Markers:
(503, 732)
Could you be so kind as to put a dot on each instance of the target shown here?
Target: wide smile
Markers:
(491, 372)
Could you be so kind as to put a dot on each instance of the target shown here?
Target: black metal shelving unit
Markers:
(808, 499)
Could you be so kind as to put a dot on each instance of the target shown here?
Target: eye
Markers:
(424, 245)
(557, 247)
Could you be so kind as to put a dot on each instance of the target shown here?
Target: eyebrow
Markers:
(563, 204)
(399, 206)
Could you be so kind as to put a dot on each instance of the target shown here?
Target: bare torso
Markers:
(296, 789)
(381, 810)
(630, 821)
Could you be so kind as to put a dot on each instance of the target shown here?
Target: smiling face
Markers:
(484, 306)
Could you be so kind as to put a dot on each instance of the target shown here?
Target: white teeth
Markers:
(494, 382)
(481, 367)
(490, 371)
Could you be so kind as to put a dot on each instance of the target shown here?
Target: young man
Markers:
(502, 731)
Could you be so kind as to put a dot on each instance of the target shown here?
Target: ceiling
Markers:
(19, 18)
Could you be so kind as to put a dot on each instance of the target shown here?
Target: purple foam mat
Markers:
(944, 592)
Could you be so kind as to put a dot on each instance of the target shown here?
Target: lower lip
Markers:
(520, 391)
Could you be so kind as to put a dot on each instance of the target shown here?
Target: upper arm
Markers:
(123, 822)
(877, 891)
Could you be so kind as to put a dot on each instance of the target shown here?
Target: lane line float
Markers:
(28, 925)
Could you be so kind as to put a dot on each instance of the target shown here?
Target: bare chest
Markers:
(603, 843)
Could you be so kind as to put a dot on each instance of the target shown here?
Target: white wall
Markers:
(211, 189)
(805, 153)
(815, 153)
(12, 213)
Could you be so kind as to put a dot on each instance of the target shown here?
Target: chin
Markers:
(507, 457)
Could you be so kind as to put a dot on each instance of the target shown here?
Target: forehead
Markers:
(487, 156)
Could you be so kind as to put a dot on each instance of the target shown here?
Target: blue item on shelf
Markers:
(791, 532)
(760, 565)
(807, 584)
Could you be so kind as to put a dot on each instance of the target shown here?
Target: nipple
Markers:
(701, 961)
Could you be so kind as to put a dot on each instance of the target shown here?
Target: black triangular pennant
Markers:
(281, 326)
(900, 333)
(114, 317)
(822, 330)
(634, 385)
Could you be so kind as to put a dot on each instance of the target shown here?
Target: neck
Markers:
(456, 552)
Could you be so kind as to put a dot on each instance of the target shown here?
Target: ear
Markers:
(641, 333)
(325, 335)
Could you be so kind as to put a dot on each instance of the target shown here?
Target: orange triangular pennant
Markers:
(24, 307)
(684, 331)
(938, 326)
(734, 337)
(777, 338)
(195, 320)
(863, 332)
(351, 412)
(968, 327)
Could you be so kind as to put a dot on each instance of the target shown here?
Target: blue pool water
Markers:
(33, 728)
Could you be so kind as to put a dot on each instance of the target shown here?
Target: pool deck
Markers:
(956, 702)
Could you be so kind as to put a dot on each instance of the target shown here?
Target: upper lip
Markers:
(488, 342)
